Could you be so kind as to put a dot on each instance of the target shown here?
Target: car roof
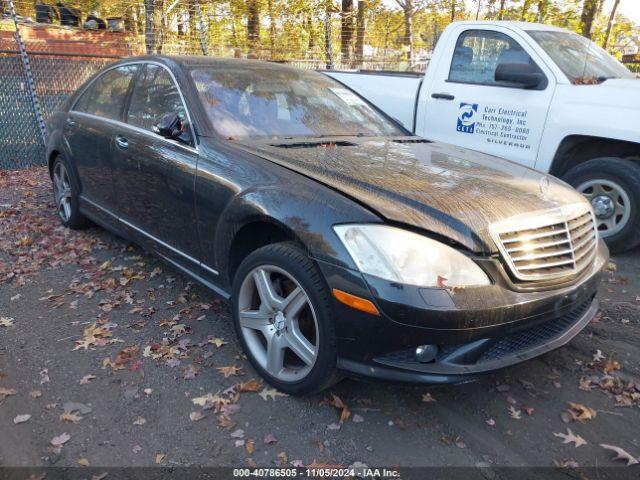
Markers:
(195, 61)
(513, 24)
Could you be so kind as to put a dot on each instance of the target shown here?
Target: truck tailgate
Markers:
(395, 94)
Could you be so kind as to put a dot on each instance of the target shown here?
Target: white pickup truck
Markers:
(535, 94)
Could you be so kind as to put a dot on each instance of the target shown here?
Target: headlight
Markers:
(406, 257)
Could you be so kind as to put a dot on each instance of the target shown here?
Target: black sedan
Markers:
(344, 244)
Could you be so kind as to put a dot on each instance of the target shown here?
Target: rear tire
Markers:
(282, 315)
(66, 191)
(612, 185)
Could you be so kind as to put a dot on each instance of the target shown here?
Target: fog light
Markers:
(426, 353)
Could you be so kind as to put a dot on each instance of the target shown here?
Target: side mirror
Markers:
(523, 75)
(173, 127)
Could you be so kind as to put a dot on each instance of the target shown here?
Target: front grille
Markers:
(548, 245)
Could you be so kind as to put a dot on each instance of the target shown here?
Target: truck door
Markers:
(490, 92)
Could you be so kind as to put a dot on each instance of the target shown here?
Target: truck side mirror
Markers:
(523, 75)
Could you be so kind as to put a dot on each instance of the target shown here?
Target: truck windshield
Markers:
(261, 101)
(579, 58)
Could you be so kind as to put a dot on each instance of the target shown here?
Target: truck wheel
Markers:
(612, 185)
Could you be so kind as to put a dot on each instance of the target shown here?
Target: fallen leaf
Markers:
(218, 342)
(136, 449)
(491, 422)
(6, 322)
(251, 385)
(271, 392)
(21, 418)
(514, 413)
(237, 433)
(283, 457)
(580, 413)
(83, 462)
(7, 392)
(598, 356)
(250, 445)
(35, 393)
(160, 457)
(570, 437)
(70, 417)
(611, 365)
(140, 421)
(585, 384)
(230, 370)
(357, 418)
(270, 438)
(621, 454)
(87, 379)
(60, 439)
(195, 416)
(428, 398)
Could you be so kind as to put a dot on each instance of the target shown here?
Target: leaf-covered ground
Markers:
(108, 357)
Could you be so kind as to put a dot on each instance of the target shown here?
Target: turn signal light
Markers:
(356, 302)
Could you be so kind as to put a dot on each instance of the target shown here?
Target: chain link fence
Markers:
(47, 50)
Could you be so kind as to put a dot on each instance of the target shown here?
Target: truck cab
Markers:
(535, 94)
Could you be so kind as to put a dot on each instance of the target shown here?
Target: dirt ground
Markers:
(119, 360)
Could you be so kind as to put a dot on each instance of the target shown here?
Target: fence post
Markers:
(27, 70)
(203, 37)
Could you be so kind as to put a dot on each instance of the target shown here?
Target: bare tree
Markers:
(612, 17)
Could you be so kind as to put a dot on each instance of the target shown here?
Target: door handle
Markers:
(122, 142)
(71, 122)
(442, 96)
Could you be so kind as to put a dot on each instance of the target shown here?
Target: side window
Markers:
(479, 52)
(154, 95)
(105, 97)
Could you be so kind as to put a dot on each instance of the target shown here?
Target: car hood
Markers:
(450, 191)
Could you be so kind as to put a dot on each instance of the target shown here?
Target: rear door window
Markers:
(154, 95)
(106, 96)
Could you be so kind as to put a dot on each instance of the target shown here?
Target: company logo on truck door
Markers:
(467, 117)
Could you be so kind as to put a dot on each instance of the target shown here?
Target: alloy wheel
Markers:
(278, 323)
(62, 191)
(611, 205)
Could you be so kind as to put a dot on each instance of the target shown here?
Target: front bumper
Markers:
(476, 330)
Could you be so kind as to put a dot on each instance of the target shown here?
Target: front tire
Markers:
(65, 191)
(612, 185)
(282, 315)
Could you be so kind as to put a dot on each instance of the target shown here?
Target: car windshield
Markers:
(267, 102)
(579, 58)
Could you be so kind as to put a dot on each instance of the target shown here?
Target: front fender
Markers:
(307, 214)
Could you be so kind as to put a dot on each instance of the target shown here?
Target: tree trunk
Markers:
(612, 17)
(272, 29)
(542, 10)
(153, 26)
(453, 10)
(346, 30)
(253, 26)
(589, 9)
(501, 10)
(408, 28)
(525, 9)
(360, 27)
(327, 37)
